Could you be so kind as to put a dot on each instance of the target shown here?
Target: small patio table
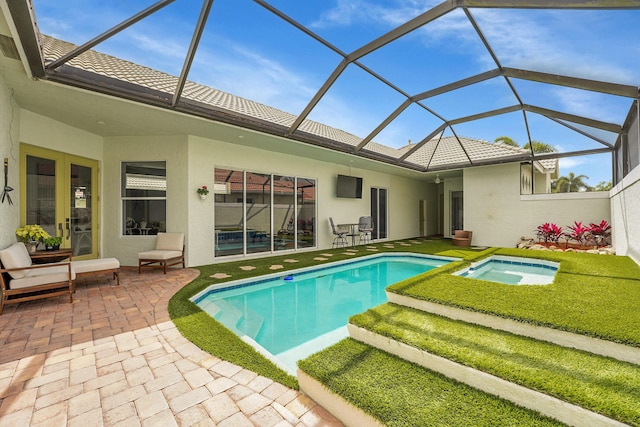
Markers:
(352, 232)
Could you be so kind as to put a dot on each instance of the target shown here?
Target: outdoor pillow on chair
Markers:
(16, 256)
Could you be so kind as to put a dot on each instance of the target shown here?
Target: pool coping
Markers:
(511, 260)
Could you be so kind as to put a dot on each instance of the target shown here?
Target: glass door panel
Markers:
(81, 210)
(457, 213)
(306, 204)
(382, 213)
(40, 200)
(284, 212)
(228, 218)
(379, 213)
(258, 213)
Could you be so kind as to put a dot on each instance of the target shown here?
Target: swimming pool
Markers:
(290, 316)
(512, 270)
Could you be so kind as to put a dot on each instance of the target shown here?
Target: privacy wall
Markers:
(498, 215)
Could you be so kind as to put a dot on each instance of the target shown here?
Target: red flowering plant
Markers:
(549, 233)
(579, 233)
(203, 191)
(599, 232)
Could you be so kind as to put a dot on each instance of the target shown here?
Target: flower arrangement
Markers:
(203, 191)
(31, 233)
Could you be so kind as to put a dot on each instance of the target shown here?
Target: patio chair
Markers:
(365, 227)
(462, 238)
(169, 251)
(21, 280)
(339, 233)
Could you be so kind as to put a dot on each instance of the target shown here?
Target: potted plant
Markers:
(31, 235)
(203, 191)
(52, 243)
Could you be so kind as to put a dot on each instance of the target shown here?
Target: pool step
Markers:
(567, 339)
(365, 386)
(569, 385)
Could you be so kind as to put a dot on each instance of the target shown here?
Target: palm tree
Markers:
(603, 186)
(506, 141)
(540, 147)
(571, 183)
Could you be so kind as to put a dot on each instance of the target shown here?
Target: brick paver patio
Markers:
(114, 358)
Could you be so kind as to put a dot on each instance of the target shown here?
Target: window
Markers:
(144, 198)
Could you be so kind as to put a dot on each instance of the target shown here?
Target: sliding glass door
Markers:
(256, 212)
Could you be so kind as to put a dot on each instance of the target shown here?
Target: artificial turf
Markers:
(400, 393)
(593, 295)
(601, 384)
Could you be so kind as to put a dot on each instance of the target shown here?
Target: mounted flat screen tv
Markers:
(349, 187)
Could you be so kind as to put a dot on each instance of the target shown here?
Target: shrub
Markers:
(549, 232)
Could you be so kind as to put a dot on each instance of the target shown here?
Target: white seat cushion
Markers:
(159, 255)
(43, 276)
(170, 242)
(16, 256)
(91, 265)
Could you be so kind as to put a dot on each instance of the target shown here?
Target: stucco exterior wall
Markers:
(190, 164)
(10, 149)
(172, 149)
(208, 154)
(498, 215)
(42, 131)
(625, 212)
(625, 203)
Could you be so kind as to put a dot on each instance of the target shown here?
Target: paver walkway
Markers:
(114, 358)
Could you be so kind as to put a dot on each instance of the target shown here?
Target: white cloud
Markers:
(529, 41)
(584, 103)
(349, 12)
(254, 75)
(57, 28)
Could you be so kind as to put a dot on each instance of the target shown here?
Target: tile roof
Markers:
(448, 150)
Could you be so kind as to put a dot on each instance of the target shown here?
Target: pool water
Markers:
(512, 271)
(292, 315)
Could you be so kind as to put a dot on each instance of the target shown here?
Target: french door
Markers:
(58, 192)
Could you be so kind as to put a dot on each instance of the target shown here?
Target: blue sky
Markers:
(248, 51)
